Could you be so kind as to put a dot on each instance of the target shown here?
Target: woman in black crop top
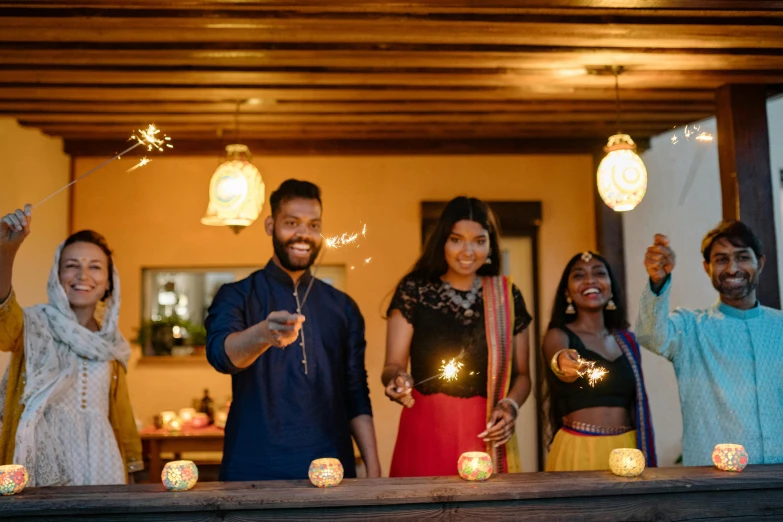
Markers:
(454, 304)
(589, 323)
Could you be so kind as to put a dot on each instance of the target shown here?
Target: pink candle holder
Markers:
(326, 473)
(475, 465)
(730, 457)
(13, 479)
(179, 475)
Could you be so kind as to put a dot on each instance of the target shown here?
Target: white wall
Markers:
(685, 215)
(34, 165)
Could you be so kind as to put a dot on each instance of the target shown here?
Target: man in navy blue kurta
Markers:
(298, 376)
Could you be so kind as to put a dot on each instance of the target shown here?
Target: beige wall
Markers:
(151, 218)
(33, 167)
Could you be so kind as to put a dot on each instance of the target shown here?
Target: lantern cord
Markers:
(616, 71)
(236, 122)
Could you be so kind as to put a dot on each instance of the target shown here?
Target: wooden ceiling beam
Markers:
(345, 94)
(383, 30)
(248, 120)
(544, 58)
(389, 147)
(14, 108)
(387, 79)
(673, 8)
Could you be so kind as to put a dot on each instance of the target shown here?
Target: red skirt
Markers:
(435, 432)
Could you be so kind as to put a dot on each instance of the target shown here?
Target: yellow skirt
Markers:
(571, 452)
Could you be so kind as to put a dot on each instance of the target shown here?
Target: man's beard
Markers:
(735, 292)
(281, 251)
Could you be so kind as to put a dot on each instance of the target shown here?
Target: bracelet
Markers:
(513, 403)
(554, 365)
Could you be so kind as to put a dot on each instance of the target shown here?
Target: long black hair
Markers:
(613, 320)
(91, 236)
(432, 263)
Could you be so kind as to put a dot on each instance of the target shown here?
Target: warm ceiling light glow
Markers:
(236, 191)
(622, 177)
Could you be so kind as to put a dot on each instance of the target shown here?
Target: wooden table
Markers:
(156, 441)
(658, 494)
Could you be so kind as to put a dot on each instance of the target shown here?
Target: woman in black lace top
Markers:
(454, 305)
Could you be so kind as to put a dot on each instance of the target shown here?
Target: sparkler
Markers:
(147, 137)
(334, 243)
(589, 370)
(690, 130)
(449, 371)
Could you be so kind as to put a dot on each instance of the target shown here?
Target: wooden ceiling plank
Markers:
(537, 60)
(145, 30)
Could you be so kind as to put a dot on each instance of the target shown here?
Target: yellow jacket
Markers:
(120, 412)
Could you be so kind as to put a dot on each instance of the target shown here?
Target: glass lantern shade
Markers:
(236, 191)
(622, 177)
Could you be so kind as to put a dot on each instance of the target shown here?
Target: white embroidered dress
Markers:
(64, 435)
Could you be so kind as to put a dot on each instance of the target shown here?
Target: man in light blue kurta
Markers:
(728, 358)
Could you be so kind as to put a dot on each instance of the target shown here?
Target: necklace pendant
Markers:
(468, 313)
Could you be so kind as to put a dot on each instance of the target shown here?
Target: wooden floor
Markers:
(659, 494)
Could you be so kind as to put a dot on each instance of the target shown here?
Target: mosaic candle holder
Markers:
(626, 462)
(730, 457)
(13, 479)
(179, 475)
(326, 473)
(475, 465)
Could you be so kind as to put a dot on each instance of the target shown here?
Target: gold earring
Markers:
(570, 308)
(610, 305)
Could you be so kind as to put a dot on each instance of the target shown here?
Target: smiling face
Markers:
(296, 233)
(84, 274)
(589, 285)
(467, 247)
(734, 270)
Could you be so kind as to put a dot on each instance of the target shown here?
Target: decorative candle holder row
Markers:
(186, 417)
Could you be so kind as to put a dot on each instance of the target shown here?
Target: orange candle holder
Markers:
(475, 465)
(626, 462)
(730, 457)
(179, 475)
(326, 473)
(13, 479)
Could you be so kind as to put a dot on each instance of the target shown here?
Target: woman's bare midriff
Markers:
(605, 416)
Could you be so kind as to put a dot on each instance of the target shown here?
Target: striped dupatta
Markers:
(645, 439)
(499, 323)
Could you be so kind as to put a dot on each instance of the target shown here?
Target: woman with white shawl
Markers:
(65, 412)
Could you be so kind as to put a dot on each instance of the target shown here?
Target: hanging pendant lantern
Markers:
(236, 191)
(622, 176)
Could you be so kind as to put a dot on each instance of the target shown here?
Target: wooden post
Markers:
(746, 175)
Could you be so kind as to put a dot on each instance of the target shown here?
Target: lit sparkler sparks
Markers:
(334, 242)
(692, 130)
(140, 164)
(449, 371)
(147, 137)
(590, 371)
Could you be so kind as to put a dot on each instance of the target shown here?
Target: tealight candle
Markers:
(174, 425)
(326, 473)
(626, 462)
(475, 465)
(13, 479)
(730, 457)
(186, 415)
(166, 417)
(179, 475)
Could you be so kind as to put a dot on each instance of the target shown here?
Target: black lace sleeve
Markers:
(405, 298)
(521, 316)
